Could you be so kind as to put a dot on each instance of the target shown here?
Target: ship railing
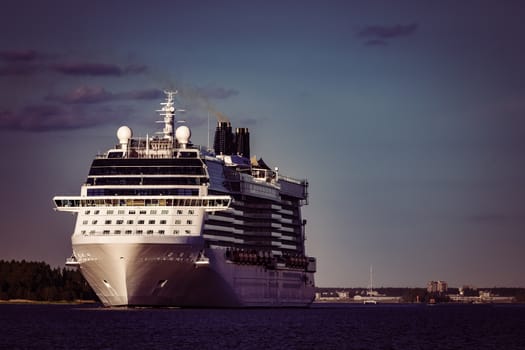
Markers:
(72, 261)
(209, 203)
(302, 182)
(136, 233)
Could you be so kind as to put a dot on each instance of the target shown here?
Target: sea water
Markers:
(323, 326)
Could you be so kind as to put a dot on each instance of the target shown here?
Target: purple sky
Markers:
(407, 118)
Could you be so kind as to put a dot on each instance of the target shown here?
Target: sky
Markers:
(406, 117)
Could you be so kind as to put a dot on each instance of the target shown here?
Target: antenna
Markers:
(208, 130)
(168, 111)
(371, 281)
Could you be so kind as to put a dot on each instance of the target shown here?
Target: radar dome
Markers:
(124, 133)
(183, 134)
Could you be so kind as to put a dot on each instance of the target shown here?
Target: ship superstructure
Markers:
(161, 222)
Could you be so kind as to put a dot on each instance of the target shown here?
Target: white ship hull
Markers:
(161, 222)
(131, 272)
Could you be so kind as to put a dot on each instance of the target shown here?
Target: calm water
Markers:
(321, 327)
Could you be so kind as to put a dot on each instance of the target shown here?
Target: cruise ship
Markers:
(163, 222)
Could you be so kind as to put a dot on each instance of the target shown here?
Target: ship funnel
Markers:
(224, 139)
(242, 142)
(228, 143)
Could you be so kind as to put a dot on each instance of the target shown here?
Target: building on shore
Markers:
(484, 297)
(437, 287)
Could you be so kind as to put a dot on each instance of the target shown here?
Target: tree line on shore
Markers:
(38, 281)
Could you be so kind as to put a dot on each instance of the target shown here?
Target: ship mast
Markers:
(371, 282)
(168, 111)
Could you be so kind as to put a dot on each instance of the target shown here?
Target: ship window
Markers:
(187, 231)
(107, 222)
(92, 232)
(84, 222)
(128, 232)
(141, 222)
(179, 212)
(117, 232)
(153, 212)
(109, 212)
(151, 222)
(161, 232)
(177, 222)
(139, 232)
(83, 232)
(106, 232)
(190, 211)
(115, 154)
(164, 212)
(87, 212)
(94, 222)
(175, 232)
(142, 212)
(132, 212)
(96, 212)
(163, 222)
(150, 232)
(189, 222)
(120, 222)
(121, 212)
(130, 222)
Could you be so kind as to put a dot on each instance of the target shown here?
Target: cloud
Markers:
(377, 35)
(97, 69)
(51, 117)
(83, 94)
(19, 55)
(30, 62)
(92, 95)
(21, 62)
(18, 69)
(87, 106)
(40, 118)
